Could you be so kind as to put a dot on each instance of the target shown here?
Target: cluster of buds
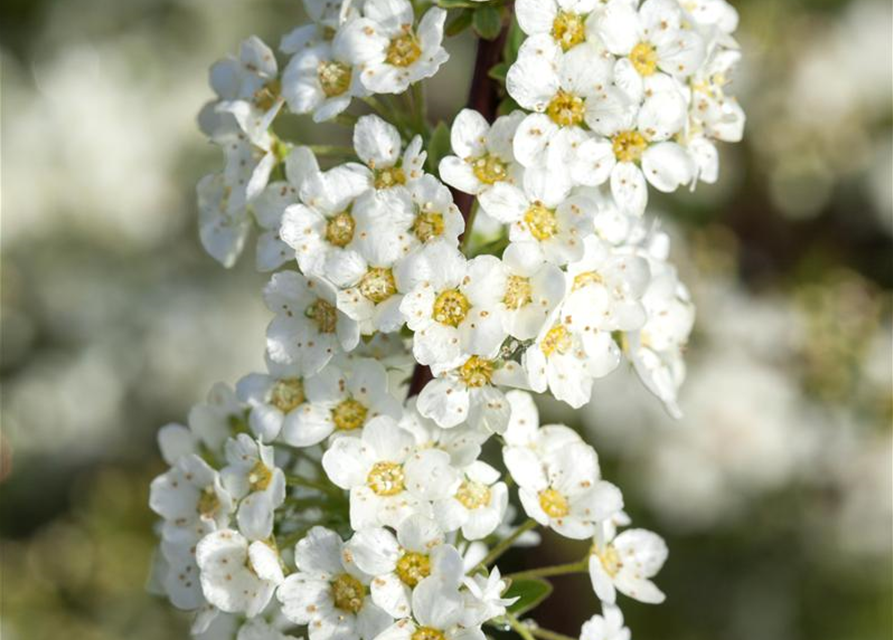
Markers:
(346, 492)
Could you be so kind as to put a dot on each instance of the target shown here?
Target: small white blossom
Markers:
(483, 598)
(626, 563)
(608, 626)
(237, 576)
(391, 51)
(563, 489)
(377, 143)
(461, 443)
(253, 478)
(439, 610)
(478, 505)
(399, 563)
(329, 593)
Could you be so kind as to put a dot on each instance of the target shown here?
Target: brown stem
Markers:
(484, 98)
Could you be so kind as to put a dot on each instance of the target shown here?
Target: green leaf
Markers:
(498, 72)
(460, 23)
(513, 43)
(530, 594)
(457, 4)
(488, 22)
(438, 146)
(506, 107)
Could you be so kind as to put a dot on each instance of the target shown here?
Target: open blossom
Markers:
(608, 626)
(342, 401)
(568, 22)
(252, 477)
(274, 398)
(329, 593)
(434, 217)
(478, 505)
(438, 611)
(388, 479)
(626, 563)
(461, 443)
(450, 311)
(563, 489)
(391, 51)
(484, 154)
(237, 575)
(483, 598)
(308, 329)
(400, 562)
(247, 89)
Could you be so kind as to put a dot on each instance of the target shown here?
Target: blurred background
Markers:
(774, 491)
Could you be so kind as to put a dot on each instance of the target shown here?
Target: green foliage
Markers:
(438, 146)
(530, 594)
(487, 22)
(459, 23)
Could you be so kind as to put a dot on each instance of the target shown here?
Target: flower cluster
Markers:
(323, 495)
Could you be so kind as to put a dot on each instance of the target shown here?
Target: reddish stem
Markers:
(484, 98)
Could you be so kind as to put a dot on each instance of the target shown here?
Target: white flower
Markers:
(438, 613)
(650, 39)
(342, 402)
(608, 626)
(308, 329)
(606, 287)
(484, 154)
(434, 215)
(478, 505)
(450, 310)
(237, 576)
(390, 51)
(570, 353)
(566, 21)
(562, 489)
(538, 214)
(275, 399)
(399, 563)
(252, 477)
(272, 202)
(462, 443)
(377, 143)
(531, 288)
(247, 88)
(322, 78)
(329, 593)
(333, 220)
(387, 479)
(483, 598)
(470, 394)
(627, 563)
(211, 422)
(191, 498)
(222, 229)
(181, 578)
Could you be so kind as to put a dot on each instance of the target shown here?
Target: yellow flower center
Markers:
(287, 394)
(629, 146)
(324, 314)
(568, 29)
(428, 225)
(413, 567)
(334, 77)
(378, 284)
(390, 177)
(541, 221)
(266, 96)
(557, 339)
(260, 477)
(386, 478)
(348, 593)
(403, 50)
(208, 502)
(451, 307)
(476, 372)
(609, 558)
(428, 633)
(644, 58)
(518, 292)
(585, 279)
(489, 169)
(340, 228)
(473, 495)
(566, 109)
(349, 414)
(554, 504)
